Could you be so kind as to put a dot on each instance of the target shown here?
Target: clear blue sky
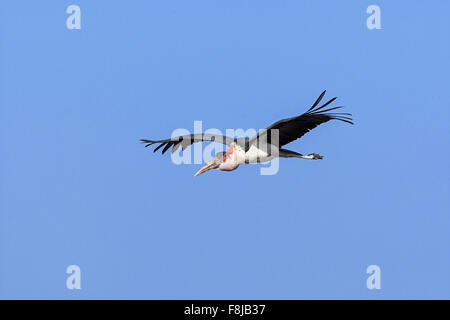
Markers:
(78, 188)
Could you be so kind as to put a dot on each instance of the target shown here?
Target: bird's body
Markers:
(255, 154)
(262, 147)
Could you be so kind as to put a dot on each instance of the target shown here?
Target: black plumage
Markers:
(289, 129)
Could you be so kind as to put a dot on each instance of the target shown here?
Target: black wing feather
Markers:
(291, 129)
(186, 141)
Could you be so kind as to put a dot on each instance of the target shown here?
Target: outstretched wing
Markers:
(291, 129)
(187, 140)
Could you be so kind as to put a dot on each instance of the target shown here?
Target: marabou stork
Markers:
(262, 147)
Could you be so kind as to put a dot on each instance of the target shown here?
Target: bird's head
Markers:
(222, 160)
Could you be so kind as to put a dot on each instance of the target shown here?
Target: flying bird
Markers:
(264, 146)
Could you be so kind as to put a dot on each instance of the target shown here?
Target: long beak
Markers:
(206, 167)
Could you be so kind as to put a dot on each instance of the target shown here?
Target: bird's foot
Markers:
(314, 156)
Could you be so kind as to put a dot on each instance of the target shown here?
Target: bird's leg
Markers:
(313, 156)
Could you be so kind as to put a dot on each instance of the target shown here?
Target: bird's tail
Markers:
(285, 153)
